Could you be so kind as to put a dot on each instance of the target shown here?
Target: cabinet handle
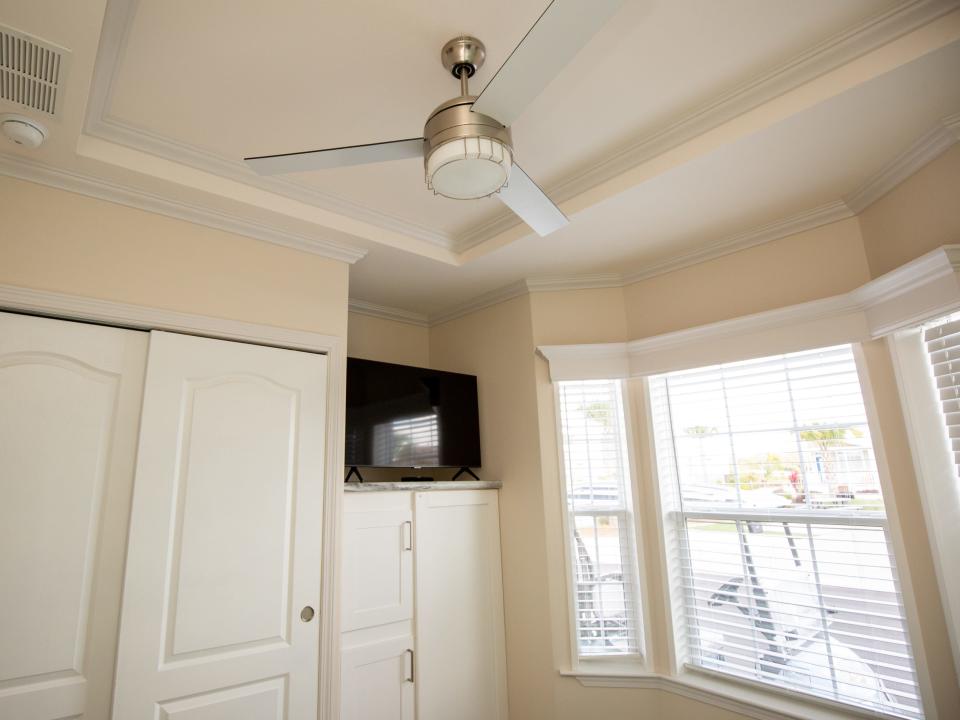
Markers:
(409, 654)
(407, 535)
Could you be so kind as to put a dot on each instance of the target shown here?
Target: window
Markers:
(599, 518)
(784, 568)
(942, 340)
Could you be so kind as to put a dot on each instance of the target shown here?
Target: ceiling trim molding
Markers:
(557, 283)
(22, 169)
(776, 230)
(488, 299)
(924, 150)
(98, 123)
(384, 312)
(821, 58)
(922, 289)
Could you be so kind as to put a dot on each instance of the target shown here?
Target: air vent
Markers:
(30, 71)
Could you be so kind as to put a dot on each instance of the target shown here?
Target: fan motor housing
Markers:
(453, 120)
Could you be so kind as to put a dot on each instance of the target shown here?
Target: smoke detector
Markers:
(22, 130)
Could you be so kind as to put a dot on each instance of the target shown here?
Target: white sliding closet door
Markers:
(69, 409)
(225, 538)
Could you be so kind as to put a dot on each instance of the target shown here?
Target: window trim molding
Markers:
(735, 694)
(924, 288)
(626, 663)
(932, 461)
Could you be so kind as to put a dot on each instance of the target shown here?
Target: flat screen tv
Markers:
(410, 417)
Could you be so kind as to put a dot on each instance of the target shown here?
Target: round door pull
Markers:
(307, 614)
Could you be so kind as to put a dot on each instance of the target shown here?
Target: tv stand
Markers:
(463, 470)
(353, 471)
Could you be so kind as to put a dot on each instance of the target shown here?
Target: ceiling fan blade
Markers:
(558, 35)
(336, 157)
(531, 204)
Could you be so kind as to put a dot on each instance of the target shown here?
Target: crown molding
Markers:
(488, 299)
(927, 148)
(821, 58)
(920, 290)
(22, 169)
(801, 222)
(384, 312)
(115, 31)
(557, 283)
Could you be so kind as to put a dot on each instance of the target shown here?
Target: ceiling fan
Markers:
(466, 147)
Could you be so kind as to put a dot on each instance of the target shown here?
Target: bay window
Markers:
(779, 549)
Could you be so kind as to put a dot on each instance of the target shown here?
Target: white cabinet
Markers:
(461, 670)
(422, 608)
(378, 680)
(377, 575)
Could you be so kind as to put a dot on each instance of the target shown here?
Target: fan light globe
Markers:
(468, 168)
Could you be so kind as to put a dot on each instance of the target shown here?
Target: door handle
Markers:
(307, 613)
(407, 535)
(409, 654)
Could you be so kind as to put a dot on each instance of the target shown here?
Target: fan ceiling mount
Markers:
(467, 148)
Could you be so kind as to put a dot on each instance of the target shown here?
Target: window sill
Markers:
(728, 693)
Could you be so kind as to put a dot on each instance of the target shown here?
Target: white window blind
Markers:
(783, 563)
(600, 518)
(943, 348)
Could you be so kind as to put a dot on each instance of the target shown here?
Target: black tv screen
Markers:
(410, 417)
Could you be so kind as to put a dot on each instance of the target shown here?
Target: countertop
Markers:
(421, 486)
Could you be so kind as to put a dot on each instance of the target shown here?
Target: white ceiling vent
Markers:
(31, 71)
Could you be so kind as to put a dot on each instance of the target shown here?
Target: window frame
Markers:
(666, 496)
(934, 465)
(633, 663)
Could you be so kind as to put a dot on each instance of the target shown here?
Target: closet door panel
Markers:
(69, 411)
(226, 535)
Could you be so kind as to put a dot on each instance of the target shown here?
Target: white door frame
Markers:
(108, 312)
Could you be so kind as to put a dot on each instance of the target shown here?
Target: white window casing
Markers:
(599, 522)
(934, 464)
(780, 558)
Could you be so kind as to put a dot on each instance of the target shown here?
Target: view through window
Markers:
(787, 573)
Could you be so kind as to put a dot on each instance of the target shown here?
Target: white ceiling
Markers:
(203, 84)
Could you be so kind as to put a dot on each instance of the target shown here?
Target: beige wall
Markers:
(373, 338)
(496, 344)
(917, 216)
(55, 240)
(807, 266)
